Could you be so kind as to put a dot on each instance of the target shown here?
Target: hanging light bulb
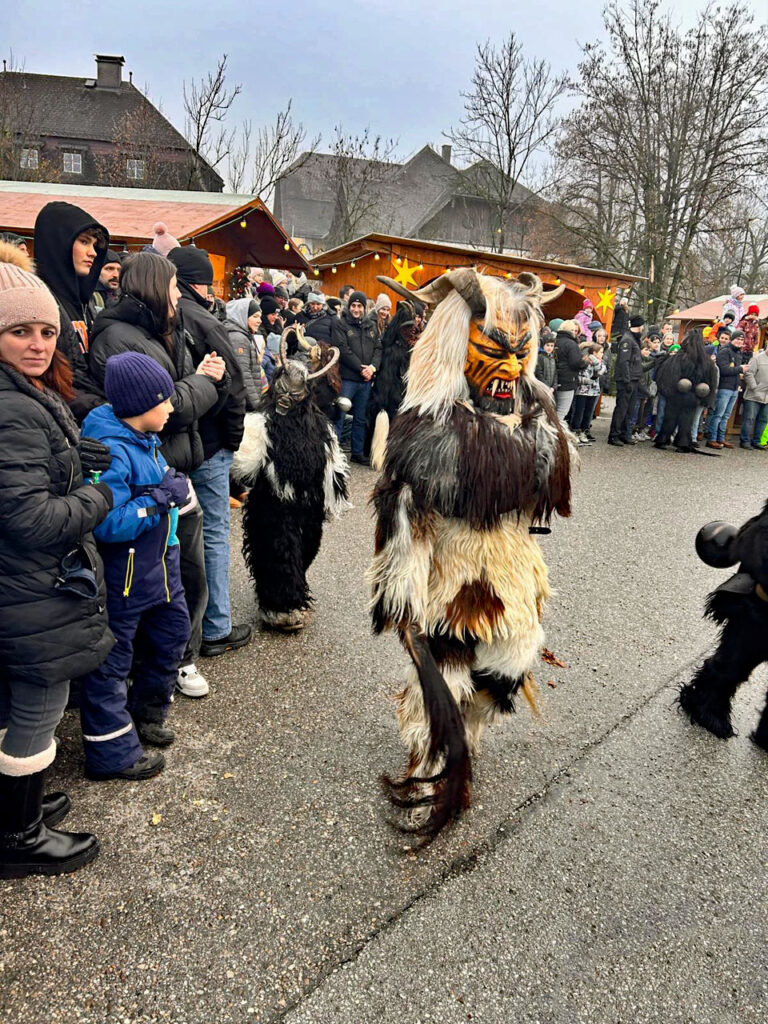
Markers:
(421, 266)
(287, 247)
(333, 270)
(376, 256)
(353, 264)
(243, 223)
(317, 272)
(508, 275)
(398, 261)
(557, 280)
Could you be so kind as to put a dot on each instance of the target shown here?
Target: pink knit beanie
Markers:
(163, 241)
(24, 298)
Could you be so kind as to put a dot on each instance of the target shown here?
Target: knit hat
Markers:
(192, 264)
(637, 320)
(253, 307)
(736, 289)
(135, 383)
(280, 292)
(587, 304)
(112, 257)
(357, 297)
(738, 334)
(753, 309)
(554, 325)
(571, 326)
(382, 302)
(269, 305)
(163, 241)
(265, 288)
(316, 297)
(24, 298)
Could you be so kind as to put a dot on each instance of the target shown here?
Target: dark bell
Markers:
(701, 390)
(684, 385)
(714, 544)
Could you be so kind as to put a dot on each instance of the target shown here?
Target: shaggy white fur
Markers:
(18, 766)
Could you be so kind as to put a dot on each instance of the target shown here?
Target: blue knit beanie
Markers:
(135, 383)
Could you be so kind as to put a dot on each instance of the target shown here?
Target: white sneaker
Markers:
(191, 683)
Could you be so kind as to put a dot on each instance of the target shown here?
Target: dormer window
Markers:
(73, 163)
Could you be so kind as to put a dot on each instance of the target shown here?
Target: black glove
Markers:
(171, 492)
(94, 456)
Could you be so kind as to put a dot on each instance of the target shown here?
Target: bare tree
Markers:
(361, 166)
(207, 103)
(136, 138)
(676, 132)
(23, 156)
(509, 120)
(259, 159)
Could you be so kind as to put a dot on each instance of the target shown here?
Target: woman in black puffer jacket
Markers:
(53, 624)
(144, 321)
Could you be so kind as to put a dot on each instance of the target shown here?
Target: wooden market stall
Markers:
(236, 230)
(414, 262)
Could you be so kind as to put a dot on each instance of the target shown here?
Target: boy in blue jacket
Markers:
(138, 544)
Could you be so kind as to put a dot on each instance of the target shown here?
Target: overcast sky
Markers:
(395, 66)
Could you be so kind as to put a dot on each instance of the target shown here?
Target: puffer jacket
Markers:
(136, 540)
(244, 346)
(130, 327)
(570, 361)
(756, 378)
(47, 634)
(358, 343)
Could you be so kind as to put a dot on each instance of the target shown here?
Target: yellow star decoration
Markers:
(405, 273)
(605, 301)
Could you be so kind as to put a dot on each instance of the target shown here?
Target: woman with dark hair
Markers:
(688, 381)
(53, 624)
(144, 321)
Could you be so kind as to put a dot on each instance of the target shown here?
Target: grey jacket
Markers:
(756, 378)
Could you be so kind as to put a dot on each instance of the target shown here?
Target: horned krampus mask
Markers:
(291, 383)
(497, 353)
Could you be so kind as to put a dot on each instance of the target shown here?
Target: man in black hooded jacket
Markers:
(70, 251)
(221, 431)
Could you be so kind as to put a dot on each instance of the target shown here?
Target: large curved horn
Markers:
(298, 329)
(331, 362)
(283, 353)
(550, 296)
(463, 280)
(535, 288)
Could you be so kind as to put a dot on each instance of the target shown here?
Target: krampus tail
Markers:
(379, 442)
(448, 749)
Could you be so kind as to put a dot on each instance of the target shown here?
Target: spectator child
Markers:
(587, 394)
(750, 324)
(138, 544)
(546, 365)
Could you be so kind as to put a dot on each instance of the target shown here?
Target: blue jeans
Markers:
(696, 424)
(660, 407)
(358, 392)
(754, 417)
(211, 483)
(718, 421)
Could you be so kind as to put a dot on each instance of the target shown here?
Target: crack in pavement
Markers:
(506, 828)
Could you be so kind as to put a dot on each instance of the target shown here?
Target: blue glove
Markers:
(171, 492)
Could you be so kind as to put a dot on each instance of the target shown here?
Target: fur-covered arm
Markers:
(336, 482)
(251, 457)
(399, 573)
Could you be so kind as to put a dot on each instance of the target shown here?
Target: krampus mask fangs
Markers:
(496, 357)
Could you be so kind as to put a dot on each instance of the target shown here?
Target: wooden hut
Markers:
(414, 262)
(704, 314)
(235, 230)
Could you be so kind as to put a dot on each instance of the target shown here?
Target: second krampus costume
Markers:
(296, 476)
(475, 458)
(740, 607)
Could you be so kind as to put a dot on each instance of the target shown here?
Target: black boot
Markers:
(27, 845)
(56, 806)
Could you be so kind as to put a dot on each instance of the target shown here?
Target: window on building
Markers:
(30, 159)
(73, 163)
(135, 169)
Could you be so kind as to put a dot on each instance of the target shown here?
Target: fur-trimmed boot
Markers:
(56, 806)
(27, 845)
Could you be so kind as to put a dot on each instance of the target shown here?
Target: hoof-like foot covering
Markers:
(710, 711)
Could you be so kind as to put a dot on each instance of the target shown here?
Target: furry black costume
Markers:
(688, 380)
(296, 476)
(476, 459)
(740, 607)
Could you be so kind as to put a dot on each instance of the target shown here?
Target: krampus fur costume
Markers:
(296, 476)
(475, 458)
(740, 607)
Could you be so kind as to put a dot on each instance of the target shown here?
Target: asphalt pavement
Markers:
(612, 868)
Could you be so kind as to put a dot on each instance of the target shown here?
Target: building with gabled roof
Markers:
(93, 131)
(424, 197)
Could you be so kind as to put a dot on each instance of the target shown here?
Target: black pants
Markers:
(582, 411)
(192, 565)
(625, 401)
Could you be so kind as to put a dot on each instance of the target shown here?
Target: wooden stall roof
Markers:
(712, 308)
(456, 254)
(129, 215)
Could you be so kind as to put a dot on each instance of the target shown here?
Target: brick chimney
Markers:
(446, 154)
(109, 71)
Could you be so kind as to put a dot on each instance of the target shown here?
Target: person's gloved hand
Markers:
(171, 492)
(94, 456)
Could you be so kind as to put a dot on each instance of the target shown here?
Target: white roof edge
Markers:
(147, 194)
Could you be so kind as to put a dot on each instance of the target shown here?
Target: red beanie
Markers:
(753, 309)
